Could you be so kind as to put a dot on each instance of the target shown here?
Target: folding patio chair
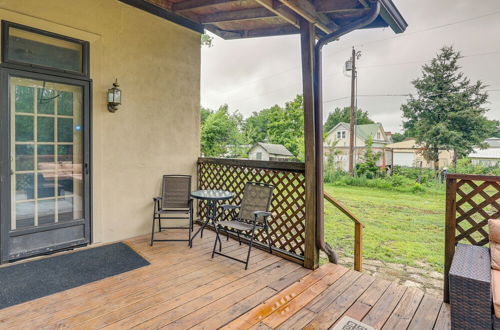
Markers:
(175, 200)
(253, 215)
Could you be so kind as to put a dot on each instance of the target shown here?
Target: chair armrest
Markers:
(229, 207)
(471, 262)
(264, 214)
(155, 199)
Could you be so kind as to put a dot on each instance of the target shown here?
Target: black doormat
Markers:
(31, 280)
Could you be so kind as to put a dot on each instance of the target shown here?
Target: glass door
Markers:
(48, 166)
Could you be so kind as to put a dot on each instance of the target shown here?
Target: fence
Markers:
(288, 205)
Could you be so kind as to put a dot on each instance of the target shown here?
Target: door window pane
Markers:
(25, 99)
(46, 100)
(34, 48)
(45, 129)
(24, 128)
(65, 104)
(65, 130)
(46, 184)
(65, 209)
(25, 186)
(65, 153)
(25, 214)
(46, 157)
(46, 211)
(24, 157)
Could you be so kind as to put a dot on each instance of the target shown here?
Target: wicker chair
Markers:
(174, 202)
(252, 216)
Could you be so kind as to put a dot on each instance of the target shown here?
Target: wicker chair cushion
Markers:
(495, 291)
(494, 227)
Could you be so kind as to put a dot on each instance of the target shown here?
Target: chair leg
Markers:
(216, 227)
(239, 238)
(153, 232)
(159, 225)
(227, 235)
(250, 248)
(269, 240)
(190, 243)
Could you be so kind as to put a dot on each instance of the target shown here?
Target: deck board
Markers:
(185, 288)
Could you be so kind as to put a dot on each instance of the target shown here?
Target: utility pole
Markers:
(352, 121)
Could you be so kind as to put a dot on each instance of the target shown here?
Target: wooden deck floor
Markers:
(185, 288)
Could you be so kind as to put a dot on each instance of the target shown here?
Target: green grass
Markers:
(400, 227)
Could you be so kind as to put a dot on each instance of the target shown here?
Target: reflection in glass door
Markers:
(46, 153)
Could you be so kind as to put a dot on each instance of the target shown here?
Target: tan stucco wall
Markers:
(156, 130)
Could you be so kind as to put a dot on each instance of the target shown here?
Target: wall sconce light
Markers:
(114, 97)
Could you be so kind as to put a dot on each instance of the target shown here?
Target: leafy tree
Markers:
(369, 167)
(280, 125)
(447, 111)
(398, 137)
(204, 113)
(220, 131)
(207, 40)
(344, 115)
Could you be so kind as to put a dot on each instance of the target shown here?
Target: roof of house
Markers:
(275, 149)
(405, 144)
(493, 142)
(236, 19)
(492, 153)
(362, 131)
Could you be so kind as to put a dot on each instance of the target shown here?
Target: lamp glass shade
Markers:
(114, 95)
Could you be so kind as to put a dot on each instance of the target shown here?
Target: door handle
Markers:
(86, 168)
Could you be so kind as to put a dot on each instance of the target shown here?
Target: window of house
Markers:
(343, 134)
(26, 45)
(339, 135)
(258, 156)
(378, 135)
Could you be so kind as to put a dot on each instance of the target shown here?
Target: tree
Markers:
(344, 115)
(220, 131)
(280, 125)
(369, 166)
(207, 40)
(398, 137)
(447, 111)
(204, 113)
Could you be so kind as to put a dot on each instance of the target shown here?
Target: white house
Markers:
(489, 156)
(269, 151)
(409, 154)
(339, 137)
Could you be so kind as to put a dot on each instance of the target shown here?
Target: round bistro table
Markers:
(212, 197)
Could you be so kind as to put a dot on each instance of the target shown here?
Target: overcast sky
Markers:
(253, 74)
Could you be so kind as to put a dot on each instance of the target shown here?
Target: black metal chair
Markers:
(252, 216)
(174, 201)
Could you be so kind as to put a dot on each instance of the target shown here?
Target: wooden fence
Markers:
(470, 201)
(288, 205)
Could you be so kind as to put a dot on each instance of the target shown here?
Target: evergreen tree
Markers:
(447, 111)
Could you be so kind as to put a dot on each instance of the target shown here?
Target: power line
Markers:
(384, 39)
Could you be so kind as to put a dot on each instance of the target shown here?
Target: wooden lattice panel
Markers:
(288, 204)
(476, 202)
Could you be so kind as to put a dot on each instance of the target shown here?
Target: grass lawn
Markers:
(403, 228)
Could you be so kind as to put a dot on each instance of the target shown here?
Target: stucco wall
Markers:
(156, 130)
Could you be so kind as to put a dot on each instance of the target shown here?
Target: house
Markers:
(339, 138)
(409, 154)
(269, 151)
(489, 156)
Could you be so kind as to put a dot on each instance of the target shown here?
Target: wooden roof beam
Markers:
(337, 6)
(195, 4)
(237, 15)
(307, 10)
(280, 10)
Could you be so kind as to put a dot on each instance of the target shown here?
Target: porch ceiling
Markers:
(236, 19)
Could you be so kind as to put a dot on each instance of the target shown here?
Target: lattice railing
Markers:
(470, 201)
(288, 205)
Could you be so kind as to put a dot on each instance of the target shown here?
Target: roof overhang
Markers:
(236, 19)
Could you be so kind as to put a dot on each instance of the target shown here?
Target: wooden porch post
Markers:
(311, 258)
(450, 230)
